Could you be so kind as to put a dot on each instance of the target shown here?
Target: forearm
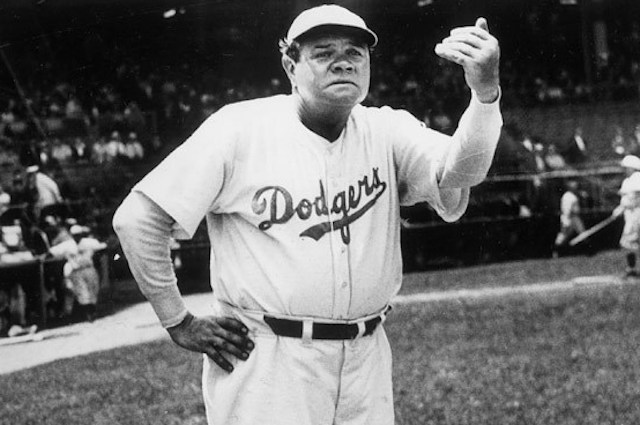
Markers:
(473, 145)
(144, 230)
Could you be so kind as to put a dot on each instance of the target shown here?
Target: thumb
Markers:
(482, 23)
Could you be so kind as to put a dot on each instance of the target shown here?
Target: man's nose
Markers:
(343, 65)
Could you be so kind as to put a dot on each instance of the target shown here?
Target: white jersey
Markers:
(298, 225)
(48, 191)
(569, 208)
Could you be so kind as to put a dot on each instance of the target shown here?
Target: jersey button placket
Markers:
(341, 259)
(334, 243)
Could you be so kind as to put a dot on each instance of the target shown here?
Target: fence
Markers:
(511, 217)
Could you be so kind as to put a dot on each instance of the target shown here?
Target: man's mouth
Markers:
(343, 82)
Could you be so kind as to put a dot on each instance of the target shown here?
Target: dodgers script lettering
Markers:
(343, 209)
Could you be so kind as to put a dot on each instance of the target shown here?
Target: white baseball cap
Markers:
(329, 15)
(631, 161)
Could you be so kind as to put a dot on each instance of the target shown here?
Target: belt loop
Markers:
(361, 329)
(307, 331)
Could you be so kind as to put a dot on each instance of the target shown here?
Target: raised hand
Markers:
(478, 52)
(217, 337)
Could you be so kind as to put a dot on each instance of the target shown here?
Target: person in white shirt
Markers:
(47, 189)
(571, 223)
(629, 209)
(301, 195)
(576, 151)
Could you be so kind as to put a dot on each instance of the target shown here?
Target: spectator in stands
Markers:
(440, 120)
(133, 150)
(20, 191)
(114, 149)
(618, 142)
(95, 205)
(6, 159)
(633, 146)
(575, 152)
(134, 118)
(553, 159)
(80, 151)
(43, 149)
(531, 163)
(538, 153)
(526, 154)
(10, 156)
(5, 200)
(46, 188)
(99, 151)
(60, 151)
(570, 221)
(73, 108)
(629, 208)
(28, 153)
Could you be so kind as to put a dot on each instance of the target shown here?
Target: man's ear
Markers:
(289, 67)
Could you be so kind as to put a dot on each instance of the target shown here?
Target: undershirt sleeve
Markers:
(472, 146)
(144, 230)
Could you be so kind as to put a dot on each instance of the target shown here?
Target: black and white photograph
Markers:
(316, 212)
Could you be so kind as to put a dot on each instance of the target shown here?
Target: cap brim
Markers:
(368, 36)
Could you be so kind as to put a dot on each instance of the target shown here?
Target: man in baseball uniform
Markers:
(629, 209)
(301, 194)
(571, 223)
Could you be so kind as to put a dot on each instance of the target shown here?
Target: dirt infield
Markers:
(137, 324)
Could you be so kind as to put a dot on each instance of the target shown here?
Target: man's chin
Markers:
(344, 98)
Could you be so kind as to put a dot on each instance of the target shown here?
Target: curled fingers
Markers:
(448, 52)
(230, 338)
(219, 359)
(474, 31)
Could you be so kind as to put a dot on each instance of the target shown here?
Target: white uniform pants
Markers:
(291, 381)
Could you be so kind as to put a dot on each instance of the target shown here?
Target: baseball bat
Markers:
(593, 229)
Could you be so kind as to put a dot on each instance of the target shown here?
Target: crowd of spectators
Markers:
(164, 99)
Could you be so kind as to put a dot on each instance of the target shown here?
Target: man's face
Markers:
(333, 70)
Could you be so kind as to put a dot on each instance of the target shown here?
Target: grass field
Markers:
(569, 358)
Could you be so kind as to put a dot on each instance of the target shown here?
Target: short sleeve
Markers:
(418, 153)
(188, 181)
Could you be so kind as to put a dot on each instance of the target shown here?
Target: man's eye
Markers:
(355, 53)
(323, 54)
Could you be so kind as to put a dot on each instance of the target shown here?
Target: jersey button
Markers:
(344, 285)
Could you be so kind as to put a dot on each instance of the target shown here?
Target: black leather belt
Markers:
(293, 328)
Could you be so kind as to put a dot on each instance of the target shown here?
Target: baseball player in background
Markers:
(301, 195)
(629, 208)
(571, 223)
